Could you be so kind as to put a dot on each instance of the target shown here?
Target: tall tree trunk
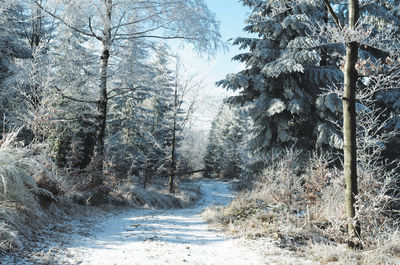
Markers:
(173, 162)
(349, 126)
(34, 41)
(37, 24)
(98, 178)
(173, 151)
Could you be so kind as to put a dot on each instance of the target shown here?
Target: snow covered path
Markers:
(176, 236)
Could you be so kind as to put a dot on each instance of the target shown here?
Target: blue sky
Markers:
(231, 15)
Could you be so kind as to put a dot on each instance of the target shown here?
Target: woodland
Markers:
(96, 109)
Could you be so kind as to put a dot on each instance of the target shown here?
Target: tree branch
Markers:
(156, 37)
(333, 14)
(65, 23)
(91, 30)
(127, 90)
(75, 99)
(144, 31)
(139, 20)
(191, 172)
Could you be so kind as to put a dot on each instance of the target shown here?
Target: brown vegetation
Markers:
(313, 219)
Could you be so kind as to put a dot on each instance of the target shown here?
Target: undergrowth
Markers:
(35, 193)
(22, 201)
(300, 204)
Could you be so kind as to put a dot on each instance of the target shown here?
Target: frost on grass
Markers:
(156, 195)
(21, 198)
(299, 203)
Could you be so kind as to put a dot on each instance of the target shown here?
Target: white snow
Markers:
(276, 106)
(142, 236)
(176, 236)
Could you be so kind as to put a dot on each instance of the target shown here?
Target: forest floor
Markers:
(147, 236)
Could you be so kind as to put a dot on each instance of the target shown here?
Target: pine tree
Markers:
(165, 120)
(161, 106)
(128, 139)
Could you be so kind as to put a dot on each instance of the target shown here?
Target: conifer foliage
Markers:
(323, 74)
(226, 153)
(282, 77)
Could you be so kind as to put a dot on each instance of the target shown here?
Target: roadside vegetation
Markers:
(97, 112)
(36, 194)
(93, 110)
(318, 161)
(299, 203)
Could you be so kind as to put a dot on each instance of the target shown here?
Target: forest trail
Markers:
(174, 236)
(156, 237)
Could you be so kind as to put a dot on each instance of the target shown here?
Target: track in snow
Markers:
(176, 236)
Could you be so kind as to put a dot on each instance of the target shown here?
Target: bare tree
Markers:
(186, 101)
(349, 117)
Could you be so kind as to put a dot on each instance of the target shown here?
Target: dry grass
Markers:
(251, 216)
(20, 208)
(311, 218)
(33, 192)
(156, 195)
(388, 253)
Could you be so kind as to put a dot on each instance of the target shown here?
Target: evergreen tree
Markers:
(282, 78)
(116, 21)
(128, 140)
(160, 105)
(12, 48)
(165, 116)
(361, 51)
(227, 154)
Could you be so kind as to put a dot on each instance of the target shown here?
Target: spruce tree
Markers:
(282, 77)
(226, 153)
(12, 48)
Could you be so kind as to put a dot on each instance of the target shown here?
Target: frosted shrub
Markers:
(324, 196)
(378, 193)
(281, 178)
(323, 188)
(317, 176)
(19, 193)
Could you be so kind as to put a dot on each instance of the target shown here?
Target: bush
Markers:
(281, 178)
(20, 196)
(298, 203)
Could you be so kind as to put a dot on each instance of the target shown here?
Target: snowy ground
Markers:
(175, 236)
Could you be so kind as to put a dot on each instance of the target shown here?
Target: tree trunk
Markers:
(34, 41)
(349, 126)
(37, 24)
(173, 151)
(98, 178)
